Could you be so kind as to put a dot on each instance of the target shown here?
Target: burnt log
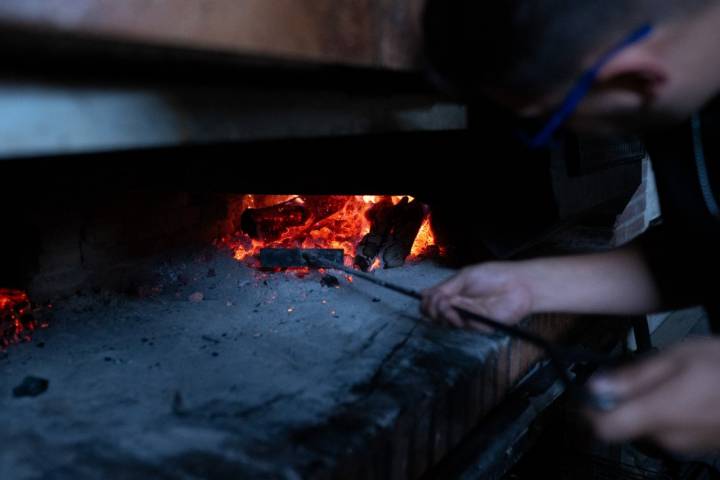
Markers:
(269, 223)
(321, 207)
(381, 219)
(392, 233)
(408, 219)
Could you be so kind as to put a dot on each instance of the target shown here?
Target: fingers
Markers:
(473, 290)
(648, 415)
(485, 289)
(654, 419)
(447, 312)
(673, 402)
(474, 306)
(630, 420)
(436, 300)
(635, 380)
(441, 309)
(651, 395)
(637, 388)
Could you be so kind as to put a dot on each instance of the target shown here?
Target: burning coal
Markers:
(373, 231)
(17, 322)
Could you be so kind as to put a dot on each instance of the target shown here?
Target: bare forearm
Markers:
(617, 282)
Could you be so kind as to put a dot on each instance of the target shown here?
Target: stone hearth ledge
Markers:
(269, 376)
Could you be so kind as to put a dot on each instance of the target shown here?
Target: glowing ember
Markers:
(312, 221)
(16, 320)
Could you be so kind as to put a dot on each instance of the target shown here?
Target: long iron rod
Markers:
(408, 292)
(560, 357)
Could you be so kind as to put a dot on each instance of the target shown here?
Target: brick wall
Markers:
(114, 240)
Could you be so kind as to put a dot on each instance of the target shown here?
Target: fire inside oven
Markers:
(373, 231)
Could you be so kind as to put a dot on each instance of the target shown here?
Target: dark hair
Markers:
(529, 46)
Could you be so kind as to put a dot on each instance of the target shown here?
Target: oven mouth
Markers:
(373, 231)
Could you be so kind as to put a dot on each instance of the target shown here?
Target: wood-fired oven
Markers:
(142, 173)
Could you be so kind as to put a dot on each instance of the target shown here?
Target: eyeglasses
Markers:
(545, 135)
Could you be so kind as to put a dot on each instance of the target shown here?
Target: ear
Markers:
(636, 71)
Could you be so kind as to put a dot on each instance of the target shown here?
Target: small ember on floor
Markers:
(373, 231)
(16, 318)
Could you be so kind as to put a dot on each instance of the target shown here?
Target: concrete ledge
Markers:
(269, 376)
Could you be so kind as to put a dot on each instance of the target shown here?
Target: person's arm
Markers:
(617, 282)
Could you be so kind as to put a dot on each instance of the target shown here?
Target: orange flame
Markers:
(424, 240)
(342, 228)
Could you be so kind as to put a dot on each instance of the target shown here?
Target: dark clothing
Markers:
(684, 252)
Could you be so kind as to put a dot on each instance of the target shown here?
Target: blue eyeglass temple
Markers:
(582, 88)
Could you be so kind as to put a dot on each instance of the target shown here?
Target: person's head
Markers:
(528, 54)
